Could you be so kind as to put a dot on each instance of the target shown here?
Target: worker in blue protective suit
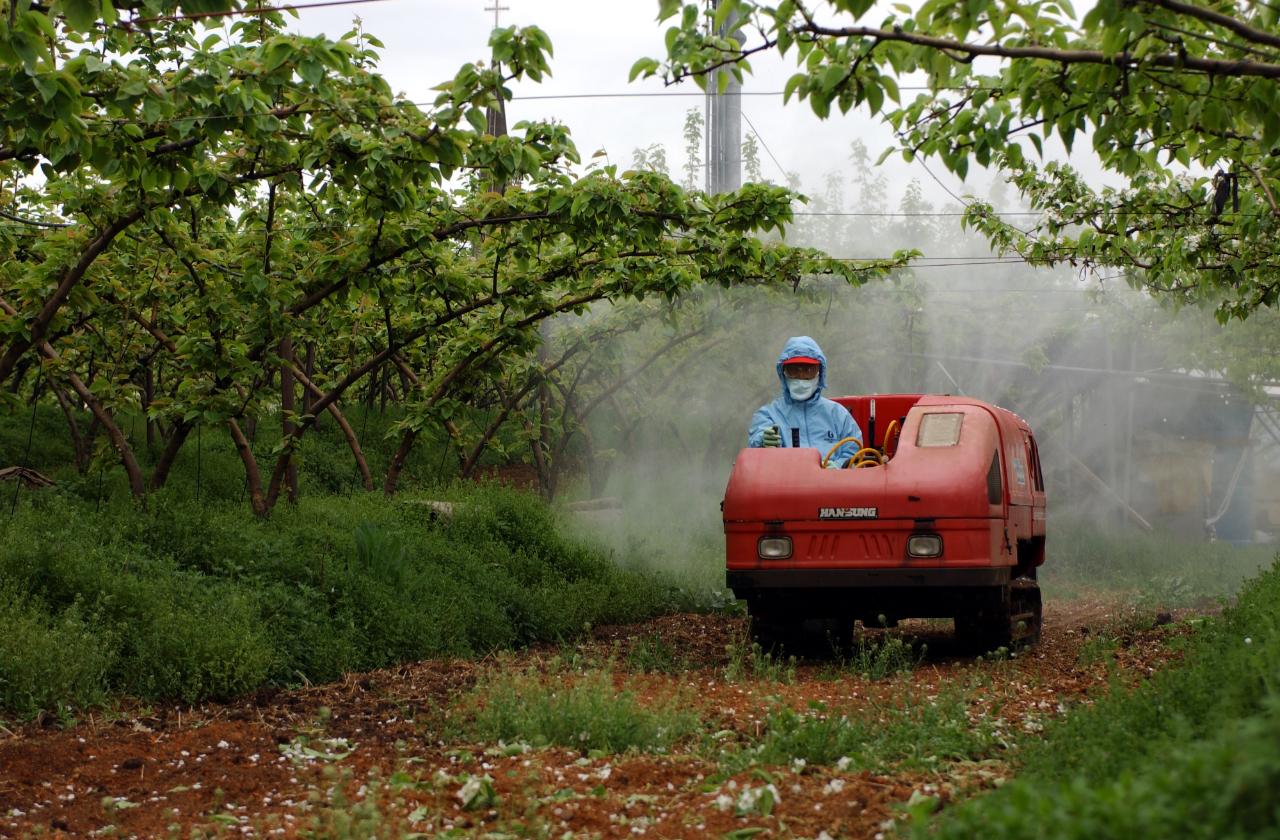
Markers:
(801, 416)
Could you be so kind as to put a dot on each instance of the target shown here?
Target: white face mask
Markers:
(802, 389)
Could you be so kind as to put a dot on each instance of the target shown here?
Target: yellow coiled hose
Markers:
(866, 456)
(841, 442)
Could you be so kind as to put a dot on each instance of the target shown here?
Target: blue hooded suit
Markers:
(816, 423)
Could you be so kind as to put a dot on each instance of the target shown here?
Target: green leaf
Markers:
(644, 67)
(81, 14)
(311, 71)
(875, 98)
(667, 8)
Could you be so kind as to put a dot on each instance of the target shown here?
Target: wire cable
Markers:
(765, 145)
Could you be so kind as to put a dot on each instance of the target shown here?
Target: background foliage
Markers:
(1179, 100)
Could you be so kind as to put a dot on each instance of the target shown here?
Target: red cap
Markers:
(801, 360)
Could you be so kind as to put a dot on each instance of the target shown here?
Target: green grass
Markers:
(584, 712)
(1192, 752)
(191, 601)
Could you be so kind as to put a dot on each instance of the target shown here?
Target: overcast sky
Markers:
(595, 45)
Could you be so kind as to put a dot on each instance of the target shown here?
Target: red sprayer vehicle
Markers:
(940, 515)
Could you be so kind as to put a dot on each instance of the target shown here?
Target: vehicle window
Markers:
(1036, 473)
(939, 430)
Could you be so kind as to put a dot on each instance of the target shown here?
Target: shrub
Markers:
(49, 662)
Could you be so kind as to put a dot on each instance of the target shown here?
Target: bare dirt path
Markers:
(364, 758)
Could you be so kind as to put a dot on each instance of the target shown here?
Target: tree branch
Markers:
(1227, 22)
(1208, 66)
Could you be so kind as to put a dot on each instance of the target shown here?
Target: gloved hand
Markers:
(772, 437)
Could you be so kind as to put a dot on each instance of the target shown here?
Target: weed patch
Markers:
(1099, 648)
(586, 713)
(654, 655)
(748, 661)
(922, 734)
(875, 659)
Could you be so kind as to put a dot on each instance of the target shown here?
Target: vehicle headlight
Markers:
(774, 548)
(924, 545)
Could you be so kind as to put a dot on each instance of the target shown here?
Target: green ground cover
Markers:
(189, 601)
(1192, 752)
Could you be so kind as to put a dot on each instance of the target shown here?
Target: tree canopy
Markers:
(1181, 100)
(209, 219)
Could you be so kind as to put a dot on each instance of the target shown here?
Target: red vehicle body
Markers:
(949, 521)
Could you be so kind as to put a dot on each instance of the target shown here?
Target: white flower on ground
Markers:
(759, 800)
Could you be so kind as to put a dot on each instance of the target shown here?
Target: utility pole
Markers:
(496, 117)
(724, 120)
(497, 10)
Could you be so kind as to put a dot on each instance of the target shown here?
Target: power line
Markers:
(953, 264)
(879, 215)
(678, 94)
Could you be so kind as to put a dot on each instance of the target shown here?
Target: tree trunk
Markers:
(252, 477)
(38, 327)
(473, 458)
(100, 413)
(309, 388)
(77, 440)
(397, 461)
(177, 437)
(546, 482)
(19, 375)
(541, 442)
(118, 440)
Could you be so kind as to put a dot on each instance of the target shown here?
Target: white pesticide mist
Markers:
(1142, 429)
